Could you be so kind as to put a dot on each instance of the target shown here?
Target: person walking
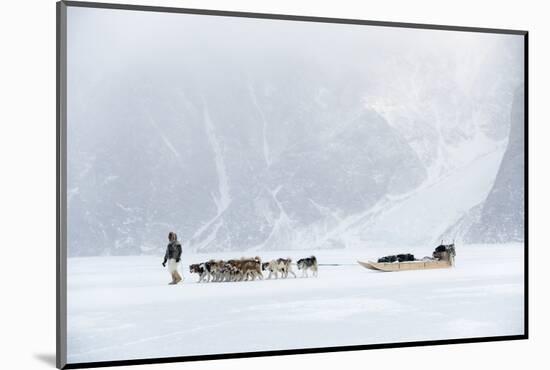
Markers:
(173, 256)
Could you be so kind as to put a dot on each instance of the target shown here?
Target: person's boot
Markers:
(173, 282)
(177, 277)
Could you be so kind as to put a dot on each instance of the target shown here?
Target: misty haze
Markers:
(244, 134)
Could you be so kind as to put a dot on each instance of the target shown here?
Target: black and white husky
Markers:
(309, 263)
(199, 269)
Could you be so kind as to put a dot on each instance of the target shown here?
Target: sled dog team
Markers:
(245, 269)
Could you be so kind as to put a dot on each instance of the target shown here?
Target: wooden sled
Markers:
(406, 266)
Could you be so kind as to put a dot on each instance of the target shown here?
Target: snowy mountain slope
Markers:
(240, 143)
(460, 228)
(420, 217)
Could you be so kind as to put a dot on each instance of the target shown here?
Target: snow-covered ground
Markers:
(121, 308)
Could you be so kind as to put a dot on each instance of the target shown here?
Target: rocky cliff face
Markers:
(502, 218)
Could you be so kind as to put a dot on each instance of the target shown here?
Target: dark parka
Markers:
(173, 250)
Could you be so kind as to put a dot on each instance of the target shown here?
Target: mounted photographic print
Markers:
(238, 184)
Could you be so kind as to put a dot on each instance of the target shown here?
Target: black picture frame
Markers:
(61, 189)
